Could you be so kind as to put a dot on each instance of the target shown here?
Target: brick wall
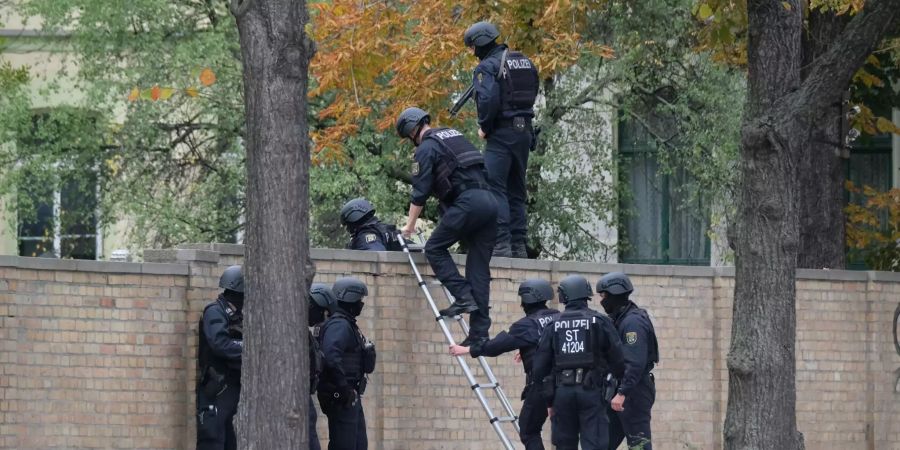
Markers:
(101, 355)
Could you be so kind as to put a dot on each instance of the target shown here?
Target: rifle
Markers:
(502, 73)
(462, 100)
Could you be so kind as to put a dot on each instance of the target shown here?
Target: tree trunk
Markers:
(778, 124)
(275, 388)
(823, 170)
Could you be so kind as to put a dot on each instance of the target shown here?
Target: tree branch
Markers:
(835, 69)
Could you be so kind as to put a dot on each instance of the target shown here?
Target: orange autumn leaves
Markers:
(376, 58)
(206, 77)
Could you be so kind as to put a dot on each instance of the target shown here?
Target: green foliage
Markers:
(175, 167)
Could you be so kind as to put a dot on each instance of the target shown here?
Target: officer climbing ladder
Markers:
(478, 388)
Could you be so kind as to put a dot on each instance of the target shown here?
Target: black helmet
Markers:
(615, 283)
(232, 279)
(535, 291)
(480, 34)
(320, 294)
(349, 290)
(574, 287)
(356, 210)
(410, 119)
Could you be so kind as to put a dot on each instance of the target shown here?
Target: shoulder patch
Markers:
(480, 77)
(415, 168)
(631, 338)
(371, 238)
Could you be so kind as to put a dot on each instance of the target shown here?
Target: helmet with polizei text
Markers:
(535, 291)
(615, 283)
(410, 119)
(480, 34)
(356, 210)
(349, 290)
(574, 287)
(232, 279)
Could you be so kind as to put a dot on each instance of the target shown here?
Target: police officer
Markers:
(366, 231)
(578, 351)
(629, 413)
(524, 336)
(506, 85)
(219, 352)
(321, 303)
(348, 357)
(450, 167)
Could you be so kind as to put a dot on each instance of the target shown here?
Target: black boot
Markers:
(502, 250)
(462, 305)
(519, 250)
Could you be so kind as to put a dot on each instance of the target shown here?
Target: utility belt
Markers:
(331, 390)
(214, 382)
(520, 123)
(575, 377)
(459, 189)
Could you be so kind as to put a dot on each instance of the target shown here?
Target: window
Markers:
(660, 224)
(65, 223)
(57, 188)
(870, 164)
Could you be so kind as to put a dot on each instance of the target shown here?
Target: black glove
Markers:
(346, 395)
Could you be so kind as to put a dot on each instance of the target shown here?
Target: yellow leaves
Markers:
(386, 56)
(704, 12)
(787, 6)
(867, 78)
(206, 76)
(875, 222)
(883, 125)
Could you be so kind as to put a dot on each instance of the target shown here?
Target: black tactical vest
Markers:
(387, 234)
(353, 359)
(205, 356)
(539, 320)
(458, 153)
(573, 341)
(519, 82)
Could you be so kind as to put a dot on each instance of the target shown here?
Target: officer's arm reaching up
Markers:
(215, 329)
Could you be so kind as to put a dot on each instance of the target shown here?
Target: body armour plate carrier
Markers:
(458, 153)
(519, 82)
(573, 344)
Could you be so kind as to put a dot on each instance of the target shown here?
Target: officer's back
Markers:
(436, 148)
(576, 354)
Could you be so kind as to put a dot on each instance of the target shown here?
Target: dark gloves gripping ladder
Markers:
(477, 388)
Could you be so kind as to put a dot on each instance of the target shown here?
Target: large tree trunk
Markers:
(823, 167)
(275, 53)
(778, 124)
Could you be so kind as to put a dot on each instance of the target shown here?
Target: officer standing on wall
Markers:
(524, 336)
(366, 231)
(321, 303)
(219, 354)
(506, 86)
(348, 356)
(629, 413)
(450, 167)
(579, 350)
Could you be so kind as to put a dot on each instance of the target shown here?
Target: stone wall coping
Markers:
(159, 263)
(82, 265)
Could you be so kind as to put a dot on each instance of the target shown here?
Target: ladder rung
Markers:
(485, 386)
(503, 419)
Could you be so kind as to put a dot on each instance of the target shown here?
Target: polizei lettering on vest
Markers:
(516, 64)
(572, 323)
(447, 134)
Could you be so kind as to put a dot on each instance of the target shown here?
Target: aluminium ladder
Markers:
(478, 388)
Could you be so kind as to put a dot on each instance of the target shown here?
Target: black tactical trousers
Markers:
(313, 434)
(532, 418)
(579, 414)
(346, 424)
(633, 423)
(215, 419)
(506, 161)
(472, 219)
